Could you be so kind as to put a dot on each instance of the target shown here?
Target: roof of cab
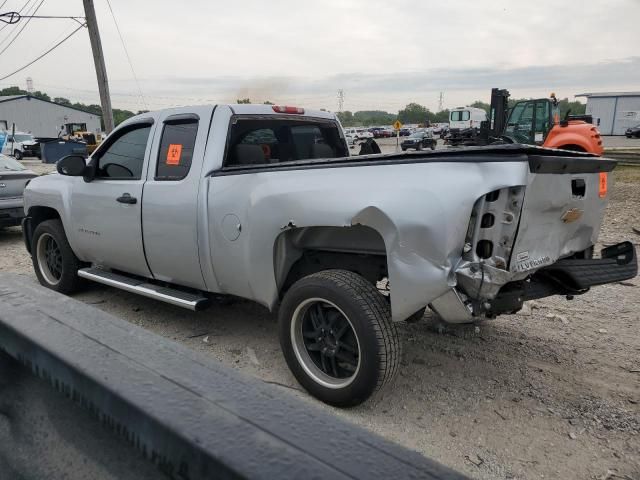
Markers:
(260, 109)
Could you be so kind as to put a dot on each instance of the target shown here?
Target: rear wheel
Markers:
(54, 262)
(337, 337)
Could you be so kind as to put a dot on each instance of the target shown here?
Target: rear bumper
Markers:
(571, 276)
(11, 217)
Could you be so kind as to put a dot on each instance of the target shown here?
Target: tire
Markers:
(419, 147)
(18, 155)
(433, 146)
(404, 149)
(60, 272)
(344, 367)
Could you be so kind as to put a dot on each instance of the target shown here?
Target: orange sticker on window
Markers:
(602, 188)
(173, 154)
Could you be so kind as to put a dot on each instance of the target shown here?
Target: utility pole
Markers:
(98, 59)
(340, 100)
(441, 101)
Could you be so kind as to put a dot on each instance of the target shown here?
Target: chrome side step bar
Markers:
(164, 294)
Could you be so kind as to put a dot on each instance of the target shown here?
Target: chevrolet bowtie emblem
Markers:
(571, 215)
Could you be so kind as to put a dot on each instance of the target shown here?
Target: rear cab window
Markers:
(176, 147)
(260, 141)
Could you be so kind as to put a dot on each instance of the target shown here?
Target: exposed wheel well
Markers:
(304, 251)
(38, 215)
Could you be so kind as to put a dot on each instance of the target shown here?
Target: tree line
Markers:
(412, 113)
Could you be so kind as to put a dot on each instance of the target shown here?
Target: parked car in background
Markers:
(633, 132)
(358, 133)
(378, 132)
(21, 145)
(13, 180)
(419, 140)
(388, 132)
(349, 138)
(363, 134)
(405, 131)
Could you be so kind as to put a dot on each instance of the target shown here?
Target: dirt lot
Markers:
(552, 392)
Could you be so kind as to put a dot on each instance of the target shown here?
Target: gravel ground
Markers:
(552, 392)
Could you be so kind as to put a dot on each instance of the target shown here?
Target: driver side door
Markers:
(106, 211)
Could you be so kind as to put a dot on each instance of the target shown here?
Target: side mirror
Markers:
(71, 165)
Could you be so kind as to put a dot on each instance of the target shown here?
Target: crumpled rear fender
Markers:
(421, 211)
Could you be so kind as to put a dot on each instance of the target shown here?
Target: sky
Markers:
(382, 54)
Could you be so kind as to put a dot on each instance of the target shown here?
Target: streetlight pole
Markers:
(101, 69)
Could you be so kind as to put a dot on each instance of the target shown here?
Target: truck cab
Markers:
(537, 122)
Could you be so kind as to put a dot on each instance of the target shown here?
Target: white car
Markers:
(20, 145)
(358, 133)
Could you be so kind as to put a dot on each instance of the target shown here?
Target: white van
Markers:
(466, 117)
(19, 145)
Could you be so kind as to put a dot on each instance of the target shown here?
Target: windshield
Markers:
(416, 135)
(8, 163)
(23, 138)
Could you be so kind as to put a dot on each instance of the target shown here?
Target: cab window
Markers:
(460, 115)
(520, 123)
(259, 142)
(176, 149)
(124, 157)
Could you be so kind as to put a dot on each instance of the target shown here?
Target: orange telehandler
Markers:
(533, 122)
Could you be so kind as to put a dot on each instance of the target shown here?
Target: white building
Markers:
(616, 111)
(42, 118)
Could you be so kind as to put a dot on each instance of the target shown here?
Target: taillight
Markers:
(602, 185)
(286, 109)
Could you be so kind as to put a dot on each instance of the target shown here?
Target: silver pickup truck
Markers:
(263, 202)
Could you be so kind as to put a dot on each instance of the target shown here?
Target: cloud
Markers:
(368, 88)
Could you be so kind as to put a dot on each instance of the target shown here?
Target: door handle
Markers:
(128, 199)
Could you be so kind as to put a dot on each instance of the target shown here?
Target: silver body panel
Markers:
(230, 233)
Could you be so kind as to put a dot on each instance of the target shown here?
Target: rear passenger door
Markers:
(171, 207)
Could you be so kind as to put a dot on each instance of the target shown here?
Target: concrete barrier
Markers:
(190, 415)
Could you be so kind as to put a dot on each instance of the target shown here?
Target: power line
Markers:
(20, 31)
(133, 72)
(19, 12)
(42, 55)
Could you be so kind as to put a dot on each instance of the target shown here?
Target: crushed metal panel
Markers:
(556, 223)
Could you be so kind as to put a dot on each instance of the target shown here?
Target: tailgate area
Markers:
(561, 215)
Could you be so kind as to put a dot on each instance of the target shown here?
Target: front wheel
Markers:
(18, 155)
(54, 262)
(337, 337)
